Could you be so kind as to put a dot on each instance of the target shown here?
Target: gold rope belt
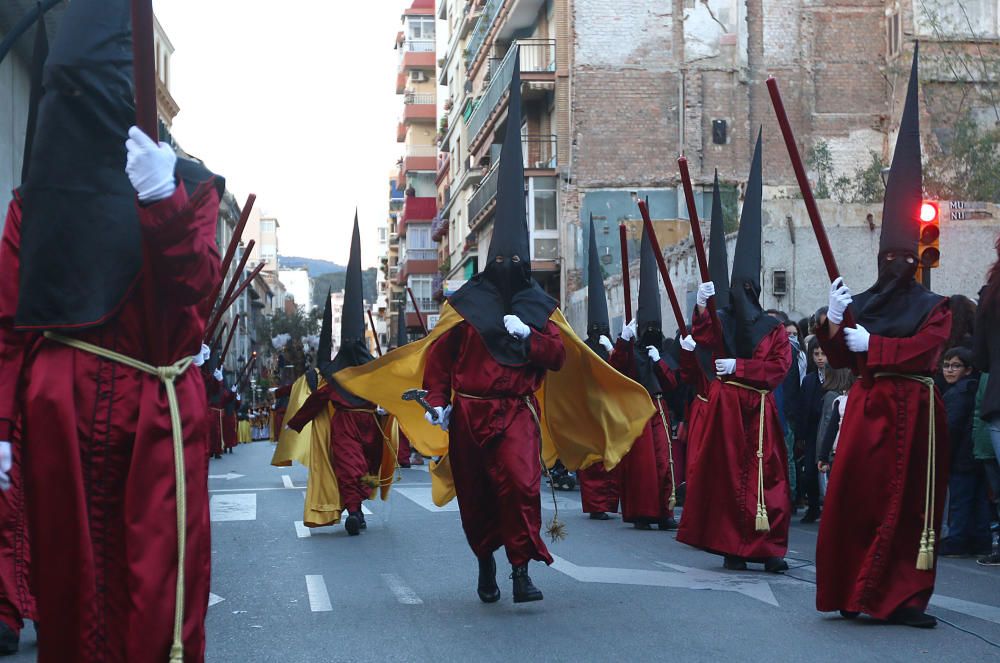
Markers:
(925, 556)
(762, 524)
(672, 502)
(701, 398)
(166, 375)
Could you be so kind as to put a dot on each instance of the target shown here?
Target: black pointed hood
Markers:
(505, 286)
(353, 342)
(718, 255)
(649, 316)
(324, 351)
(744, 320)
(598, 320)
(402, 335)
(896, 306)
(38, 56)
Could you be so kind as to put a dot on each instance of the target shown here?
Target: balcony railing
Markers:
(484, 195)
(413, 255)
(439, 228)
(537, 56)
(422, 151)
(539, 151)
(414, 98)
(483, 26)
(425, 303)
(419, 45)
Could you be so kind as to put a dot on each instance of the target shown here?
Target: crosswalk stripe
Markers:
(401, 590)
(319, 598)
(236, 506)
(287, 481)
(301, 530)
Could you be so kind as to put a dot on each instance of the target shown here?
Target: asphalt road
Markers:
(405, 591)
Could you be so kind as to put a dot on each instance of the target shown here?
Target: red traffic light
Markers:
(930, 234)
(928, 212)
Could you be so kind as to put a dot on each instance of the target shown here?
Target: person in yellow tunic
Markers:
(508, 383)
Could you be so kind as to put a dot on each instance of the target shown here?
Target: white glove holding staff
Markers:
(605, 343)
(150, 167)
(857, 338)
(628, 331)
(840, 299)
(688, 343)
(705, 290)
(441, 417)
(653, 353)
(515, 327)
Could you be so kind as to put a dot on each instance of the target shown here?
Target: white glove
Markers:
(380, 411)
(840, 298)
(150, 167)
(653, 353)
(725, 366)
(688, 343)
(628, 331)
(233, 389)
(239, 398)
(217, 374)
(441, 417)
(857, 338)
(705, 290)
(6, 462)
(515, 327)
(202, 356)
(605, 343)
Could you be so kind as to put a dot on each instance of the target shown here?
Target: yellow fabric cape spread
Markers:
(589, 411)
(311, 448)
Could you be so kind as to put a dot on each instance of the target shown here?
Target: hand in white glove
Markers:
(515, 327)
(840, 298)
(380, 411)
(653, 353)
(725, 366)
(441, 417)
(688, 343)
(150, 167)
(217, 374)
(857, 338)
(233, 389)
(202, 356)
(628, 331)
(239, 398)
(6, 462)
(705, 290)
(605, 343)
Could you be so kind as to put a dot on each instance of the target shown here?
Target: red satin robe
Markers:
(213, 391)
(98, 454)
(17, 601)
(356, 442)
(645, 478)
(229, 437)
(494, 441)
(873, 516)
(599, 489)
(720, 507)
(692, 374)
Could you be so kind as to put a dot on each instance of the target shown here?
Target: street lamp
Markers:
(885, 176)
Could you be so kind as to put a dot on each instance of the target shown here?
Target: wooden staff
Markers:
(144, 73)
(371, 321)
(416, 308)
(246, 371)
(243, 286)
(219, 336)
(699, 242)
(217, 316)
(807, 195)
(227, 261)
(229, 339)
(668, 284)
(626, 278)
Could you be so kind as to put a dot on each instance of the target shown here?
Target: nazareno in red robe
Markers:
(213, 391)
(644, 474)
(692, 374)
(356, 442)
(720, 506)
(98, 454)
(229, 437)
(599, 489)
(873, 516)
(493, 439)
(17, 601)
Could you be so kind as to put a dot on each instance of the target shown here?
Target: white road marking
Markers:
(403, 593)
(228, 476)
(319, 598)
(239, 506)
(419, 468)
(683, 577)
(422, 496)
(301, 530)
(365, 510)
(987, 613)
(247, 490)
(563, 502)
(213, 599)
(287, 481)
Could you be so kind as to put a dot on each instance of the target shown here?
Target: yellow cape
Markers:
(589, 411)
(311, 448)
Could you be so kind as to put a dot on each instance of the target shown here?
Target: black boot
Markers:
(642, 524)
(775, 565)
(599, 515)
(487, 587)
(849, 614)
(364, 523)
(9, 640)
(734, 563)
(667, 524)
(912, 617)
(353, 524)
(811, 516)
(524, 589)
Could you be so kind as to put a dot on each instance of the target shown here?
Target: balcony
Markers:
(417, 210)
(471, 244)
(412, 266)
(482, 30)
(418, 54)
(439, 228)
(538, 62)
(539, 153)
(420, 158)
(443, 166)
(484, 199)
(419, 107)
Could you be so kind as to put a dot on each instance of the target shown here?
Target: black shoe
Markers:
(361, 517)
(775, 565)
(642, 524)
(849, 614)
(524, 589)
(912, 617)
(9, 640)
(599, 515)
(487, 587)
(353, 524)
(667, 524)
(811, 516)
(993, 559)
(734, 563)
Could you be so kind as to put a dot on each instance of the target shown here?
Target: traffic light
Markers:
(929, 251)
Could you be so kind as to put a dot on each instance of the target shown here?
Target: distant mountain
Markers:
(335, 283)
(315, 266)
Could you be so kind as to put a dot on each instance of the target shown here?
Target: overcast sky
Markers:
(294, 101)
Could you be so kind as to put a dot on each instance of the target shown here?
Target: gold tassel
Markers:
(556, 530)
(672, 502)
(371, 481)
(763, 524)
(925, 556)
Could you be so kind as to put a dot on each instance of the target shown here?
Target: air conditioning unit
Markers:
(418, 77)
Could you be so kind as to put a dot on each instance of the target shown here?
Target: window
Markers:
(542, 218)
(419, 245)
(421, 27)
(422, 286)
(267, 225)
(893, 34)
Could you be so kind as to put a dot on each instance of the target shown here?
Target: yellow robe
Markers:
(589, 411)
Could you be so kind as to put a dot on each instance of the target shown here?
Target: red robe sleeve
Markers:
(12, 343)
(182, 232)
(437, 371)
(772, 358)
(915, 354)
(691, 372)
(621, 357)
(666, 375)
(546, 349)
(311, 409)
(835, 348)
(703, 332)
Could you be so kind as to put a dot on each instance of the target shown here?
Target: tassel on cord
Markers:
(556, 529)
(762, 523)
(371, 481)
(672, 502)
(925, 556)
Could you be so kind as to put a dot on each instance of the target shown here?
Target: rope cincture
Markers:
(672, 502)
(167, 375)
(761, 522)
(925, 554)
